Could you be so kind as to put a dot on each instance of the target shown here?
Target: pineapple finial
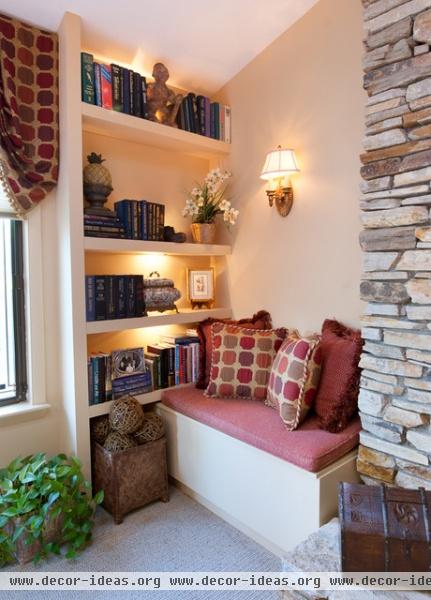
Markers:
(94, 158)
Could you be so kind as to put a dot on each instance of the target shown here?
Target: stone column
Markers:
(395, 395)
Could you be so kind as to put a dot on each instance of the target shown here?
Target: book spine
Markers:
(133, 381)
(132, 92)
(104, 228)
(217, 120)
(126, 90)
(161, 222)
(177, 364)
(135, 219)
(121, 304)
(200, 100)
(130, 300)
(207, 109)
(144, 99)
(190, 114)
(139, 296)
(90, 381)
(87, 78)
(222, 123)
(143, 215)
(97, 85)
(108, 379)
(111, 303)
(150, 221)
(90, 300)
(137, 91)
(102, 379)
(181, 117)
(227, 124)
(212, 121)
(106, 86)
(96, 380)
(129, 211)
(117, 92)
(100, 300)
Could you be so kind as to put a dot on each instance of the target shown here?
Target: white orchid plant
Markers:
(207, 200)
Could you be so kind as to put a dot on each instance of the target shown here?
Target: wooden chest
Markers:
(384, 529)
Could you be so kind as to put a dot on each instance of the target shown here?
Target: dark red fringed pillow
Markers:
(261, 320)
(337, 396)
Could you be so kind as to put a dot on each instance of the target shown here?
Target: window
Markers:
(13, 371)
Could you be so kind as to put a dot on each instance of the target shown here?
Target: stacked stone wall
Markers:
(395, 395)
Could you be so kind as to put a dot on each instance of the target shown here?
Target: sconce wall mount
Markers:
(279, 164)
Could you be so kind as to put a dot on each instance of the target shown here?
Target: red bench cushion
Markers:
(250, 421)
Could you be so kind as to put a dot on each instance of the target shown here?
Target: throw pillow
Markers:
(337, 397)
(261, 320)
(294, 379)
(241, 360)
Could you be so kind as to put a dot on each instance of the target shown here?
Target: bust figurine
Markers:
(163, 103)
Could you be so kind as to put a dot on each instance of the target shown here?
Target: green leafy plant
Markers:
(207, 200)
(37, 491)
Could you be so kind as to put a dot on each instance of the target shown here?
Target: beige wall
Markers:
(304, 91)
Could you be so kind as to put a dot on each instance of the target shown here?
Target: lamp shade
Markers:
(279, 163)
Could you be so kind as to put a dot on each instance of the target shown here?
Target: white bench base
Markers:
(272, 501)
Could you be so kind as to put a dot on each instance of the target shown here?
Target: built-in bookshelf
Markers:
(157, 319)
(80, 122)
(113, 246)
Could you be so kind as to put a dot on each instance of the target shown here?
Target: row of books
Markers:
(174, 360)
(113, 87)
(199, 115)
(141, 220)
(114, 297)
(105, 227)
(124, 90)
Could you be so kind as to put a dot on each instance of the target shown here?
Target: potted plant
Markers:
(205, 202)
(45, 507)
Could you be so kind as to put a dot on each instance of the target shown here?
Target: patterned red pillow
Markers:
(294, 379)
(242, 360)
(337, 397)
(261, 320)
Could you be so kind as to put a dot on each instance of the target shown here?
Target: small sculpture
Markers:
(97, 185)
(163, 103)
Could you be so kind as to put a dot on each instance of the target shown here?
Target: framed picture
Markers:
(200, 286)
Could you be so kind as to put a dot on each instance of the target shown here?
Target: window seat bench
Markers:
(236, 457)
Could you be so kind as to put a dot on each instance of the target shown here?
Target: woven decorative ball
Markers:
(116, 442)
(126, 415)
(152, 429)
(99, 429)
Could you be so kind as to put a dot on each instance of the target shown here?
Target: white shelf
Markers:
(184, 316)
(96, 410)
(120, 126)
(118, 246)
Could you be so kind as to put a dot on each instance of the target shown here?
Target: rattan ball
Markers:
(152, 429)
(126, 415)
(116, 442)
(99, 429)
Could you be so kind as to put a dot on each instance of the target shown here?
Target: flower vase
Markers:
(203, 233)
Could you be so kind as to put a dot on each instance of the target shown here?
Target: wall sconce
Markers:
(277, 168)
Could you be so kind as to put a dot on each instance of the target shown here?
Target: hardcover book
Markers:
(87, 78)
(117, 92)
(106, 86)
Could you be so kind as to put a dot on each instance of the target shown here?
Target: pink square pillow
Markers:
(241, 360)
(294, 379)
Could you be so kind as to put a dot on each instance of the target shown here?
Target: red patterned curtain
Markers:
(28, 113)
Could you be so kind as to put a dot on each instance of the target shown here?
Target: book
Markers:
(117, 92)
(131, 92)
(120, 282)
(207, 109)
(222, 123)
(154, 360)
(90, 297)
(87, 78)
(227, 124)
(200, 102)
(110, 297)
(106, 85)
(143, 225)
(137, 92)
(144, 98)
(126, 90)
(97, 85)
(99, 295)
